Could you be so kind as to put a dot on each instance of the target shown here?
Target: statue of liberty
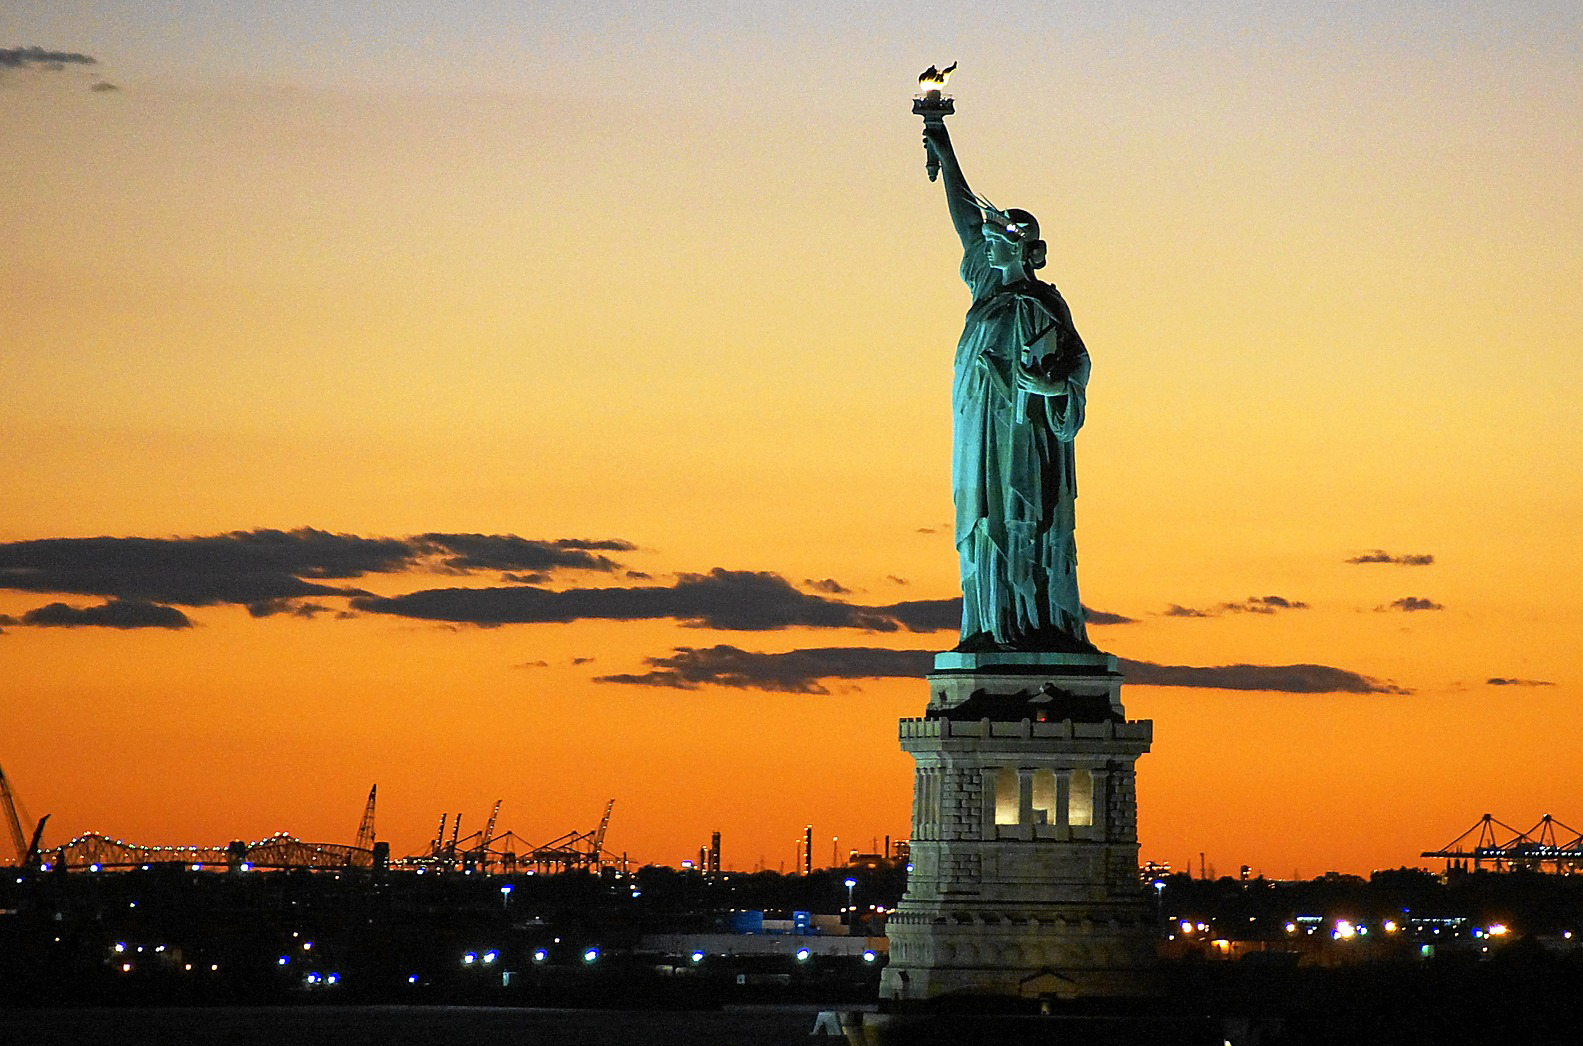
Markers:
(1018, 399)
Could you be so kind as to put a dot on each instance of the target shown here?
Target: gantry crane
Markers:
(365, 828)
(26, 849)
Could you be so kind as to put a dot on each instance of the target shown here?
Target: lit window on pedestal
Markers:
(1080, 805)
(1006, 806)
(1044, 797)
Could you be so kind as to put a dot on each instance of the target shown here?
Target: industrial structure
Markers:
(483, 851)
(1548, 846)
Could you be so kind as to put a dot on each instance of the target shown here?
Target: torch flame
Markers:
(935, 78)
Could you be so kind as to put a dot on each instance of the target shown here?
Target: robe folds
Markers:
(1012, 472)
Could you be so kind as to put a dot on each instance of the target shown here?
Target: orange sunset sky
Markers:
(617, 339)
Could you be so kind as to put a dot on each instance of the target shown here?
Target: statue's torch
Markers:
(934, 105)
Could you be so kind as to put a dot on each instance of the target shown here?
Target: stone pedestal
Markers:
(1024, 878)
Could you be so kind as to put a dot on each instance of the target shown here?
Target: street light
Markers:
(850, 883)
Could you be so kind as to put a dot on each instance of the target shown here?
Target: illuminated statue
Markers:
(1018, 398)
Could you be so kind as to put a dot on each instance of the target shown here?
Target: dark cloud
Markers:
(242, 567)
(1286, 679)
(1410, 604)
(1503, 681)
(734, 600)
(926, 615)
(534, 664)
(527, 579)
(1101, 617)
(39, 58)
(295, 608)
(1251, 605)
(117, 613)
(465, 553)
(1175, 610)
(801, 671)
(637, 575)
(1263, 605)
(829, 586)
(1379, 555)
(103, 85)
(582, 660)
(795, 672)
(262, 568)
(928, 530)
(893, 579)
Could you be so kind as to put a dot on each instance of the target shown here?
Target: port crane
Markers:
(26, 849)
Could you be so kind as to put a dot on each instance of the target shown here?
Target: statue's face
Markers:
(1003, 252)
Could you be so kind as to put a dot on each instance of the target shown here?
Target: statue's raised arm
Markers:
(966, 214)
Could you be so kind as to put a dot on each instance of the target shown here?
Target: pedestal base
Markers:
(1024, 878)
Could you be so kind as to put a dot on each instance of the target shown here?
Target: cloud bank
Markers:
(1283, 679)
(1410, 604)
(806, 671)
(792, 672)
(39, 58)
(270, 571)
(1251, 605)
(1379, 555)
(730, 600)
(117, 613)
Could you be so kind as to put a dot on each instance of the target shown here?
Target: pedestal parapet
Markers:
(1024, 877)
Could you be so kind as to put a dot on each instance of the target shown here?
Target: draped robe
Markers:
(1013, 477)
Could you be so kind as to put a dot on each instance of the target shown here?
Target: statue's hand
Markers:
(1039, 381)
(935, 138)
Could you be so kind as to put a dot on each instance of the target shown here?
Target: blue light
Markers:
(591, 955)
(869, 956)
(802, 954)
(539, 955)
(698, 956)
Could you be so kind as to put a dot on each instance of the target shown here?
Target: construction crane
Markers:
(481, 854)
(365, 828)
(13, 822)
(439, 839)
(574, 849)
(599, 836)
(26, 850)
(32, 857)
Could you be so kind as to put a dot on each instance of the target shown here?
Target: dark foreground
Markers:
(1526, 999)
(402, 1026)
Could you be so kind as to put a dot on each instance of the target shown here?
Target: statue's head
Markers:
(1018, 231)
